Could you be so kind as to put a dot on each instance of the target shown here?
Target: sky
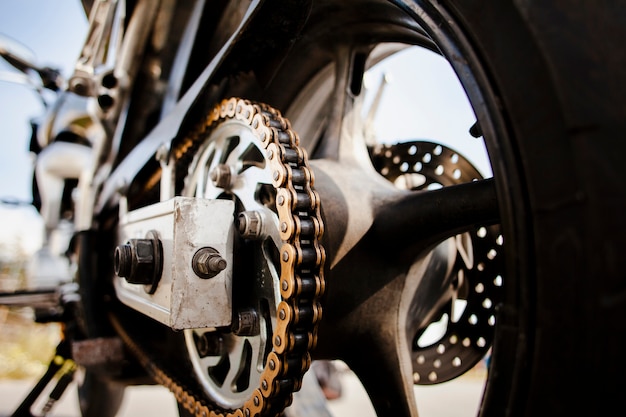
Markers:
(54, 31)
(424, 100)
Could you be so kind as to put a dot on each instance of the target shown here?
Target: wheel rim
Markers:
(317, 96)
(347, 37)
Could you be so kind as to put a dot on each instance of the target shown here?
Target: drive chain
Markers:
(302, 260)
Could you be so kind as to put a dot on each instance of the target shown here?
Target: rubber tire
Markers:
(98, 394)
(555, 71)
(550, 74)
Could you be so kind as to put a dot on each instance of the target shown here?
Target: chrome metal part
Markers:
(104, 24)
(166, 183)
(56, 163)
(184, 226)
(71, 114)
(17, 54)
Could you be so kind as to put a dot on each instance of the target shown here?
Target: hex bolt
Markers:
(207, 263)
(249, 224)
(246, 323)
(221, 176)
(140, 261)
(209, 344)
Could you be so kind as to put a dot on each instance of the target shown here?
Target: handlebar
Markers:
(24, 60)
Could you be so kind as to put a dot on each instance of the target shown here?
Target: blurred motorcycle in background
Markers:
(226, 201)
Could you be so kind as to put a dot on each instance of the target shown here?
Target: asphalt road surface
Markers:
(459, 398)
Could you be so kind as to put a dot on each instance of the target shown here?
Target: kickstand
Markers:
(61, 365)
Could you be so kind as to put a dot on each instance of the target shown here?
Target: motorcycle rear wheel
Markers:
(543, 83)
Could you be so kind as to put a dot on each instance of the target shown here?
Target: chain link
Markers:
(302, 259)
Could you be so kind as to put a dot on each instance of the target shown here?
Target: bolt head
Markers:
(209, 344)
(135, 261)
(250, 224)
(140, 261)
(221, 176)
(207, 263)
(143, 258)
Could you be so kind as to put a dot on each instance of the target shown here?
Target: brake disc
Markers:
(463, 330)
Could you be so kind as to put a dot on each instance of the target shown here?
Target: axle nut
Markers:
(140, 261)
(207, 263)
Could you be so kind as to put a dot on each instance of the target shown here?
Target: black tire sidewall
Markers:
(550, 76)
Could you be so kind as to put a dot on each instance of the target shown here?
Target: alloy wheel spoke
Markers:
(434, 215)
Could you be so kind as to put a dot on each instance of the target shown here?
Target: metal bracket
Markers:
(184, 225)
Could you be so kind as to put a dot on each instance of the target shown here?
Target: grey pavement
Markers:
(459, 398)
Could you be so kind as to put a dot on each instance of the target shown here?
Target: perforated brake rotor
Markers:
(464, 329)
